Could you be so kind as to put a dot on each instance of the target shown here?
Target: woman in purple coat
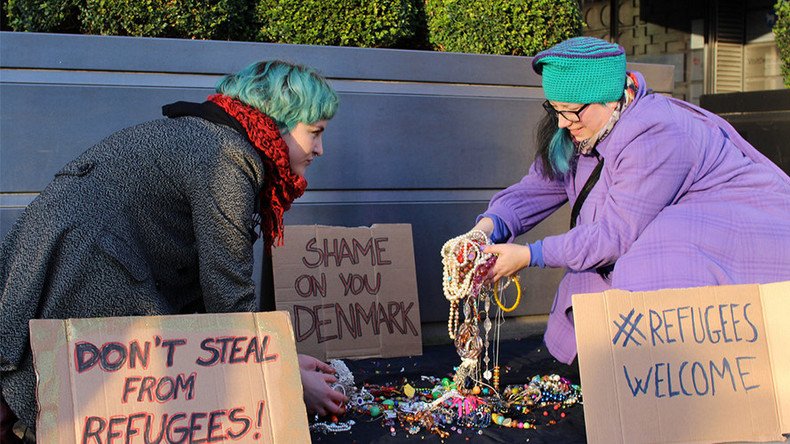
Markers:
(664, 194)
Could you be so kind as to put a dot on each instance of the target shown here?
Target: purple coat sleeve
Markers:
(645, 169)
(523, 205)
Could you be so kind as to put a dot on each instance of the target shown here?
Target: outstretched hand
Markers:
(319, 398)
(511, 258)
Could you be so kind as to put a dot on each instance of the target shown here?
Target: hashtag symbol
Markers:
(631, 326)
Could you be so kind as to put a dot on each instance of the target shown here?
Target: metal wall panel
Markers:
(421, 137)
(44, 126)
(85, 52)
(385, 150)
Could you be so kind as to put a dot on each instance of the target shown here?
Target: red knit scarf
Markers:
(280, 186)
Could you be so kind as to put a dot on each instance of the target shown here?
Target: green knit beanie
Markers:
(582, 70)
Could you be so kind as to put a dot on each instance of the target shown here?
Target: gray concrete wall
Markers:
(422, 138)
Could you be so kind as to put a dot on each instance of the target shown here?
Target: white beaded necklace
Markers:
(463, 259)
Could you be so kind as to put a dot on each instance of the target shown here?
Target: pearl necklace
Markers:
(334, 427)
(465, 265)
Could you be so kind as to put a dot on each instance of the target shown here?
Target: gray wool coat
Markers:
(156, 219)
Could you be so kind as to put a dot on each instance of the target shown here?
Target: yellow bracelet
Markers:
(518, 296)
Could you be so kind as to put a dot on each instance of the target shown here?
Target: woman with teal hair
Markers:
(160, 218)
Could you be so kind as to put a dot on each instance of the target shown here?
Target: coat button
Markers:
(84, 168)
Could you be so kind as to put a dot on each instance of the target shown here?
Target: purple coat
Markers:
(683, 201)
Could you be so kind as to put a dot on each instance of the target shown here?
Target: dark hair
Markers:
(546, 135)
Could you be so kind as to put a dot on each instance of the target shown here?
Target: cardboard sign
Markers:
(708, 364)
(352, 292)
(166, 379)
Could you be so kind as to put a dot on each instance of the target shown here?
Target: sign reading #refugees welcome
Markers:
(706, 364)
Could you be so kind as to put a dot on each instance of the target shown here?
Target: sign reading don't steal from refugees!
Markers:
(166, 379)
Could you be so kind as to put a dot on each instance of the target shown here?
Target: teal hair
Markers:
(560, 151)
(287, 93)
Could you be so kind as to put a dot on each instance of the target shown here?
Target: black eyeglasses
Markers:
(570, 116)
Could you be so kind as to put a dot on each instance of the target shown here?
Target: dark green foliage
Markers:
(364, 23)
(782, 34)
(216, 19)
(43, 15)
(513, 27)
(128, 17)
(518, 27)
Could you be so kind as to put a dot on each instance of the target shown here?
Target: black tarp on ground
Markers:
(520, 360)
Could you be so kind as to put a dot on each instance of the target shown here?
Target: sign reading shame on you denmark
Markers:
(351, 292)
(707, 364)
(168, 379)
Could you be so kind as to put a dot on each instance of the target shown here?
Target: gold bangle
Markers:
(518, 296)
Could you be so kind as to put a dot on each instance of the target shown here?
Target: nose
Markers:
(318, 148)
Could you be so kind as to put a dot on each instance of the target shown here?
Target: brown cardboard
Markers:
(352, 292)
(720, 354)
(234, 397)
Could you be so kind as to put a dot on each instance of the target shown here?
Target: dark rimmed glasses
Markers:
(570, 116)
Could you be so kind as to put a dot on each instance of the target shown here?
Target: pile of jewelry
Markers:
(471, 399)
(437, 406)
(345, 385)
(466, 266)
(548, 392)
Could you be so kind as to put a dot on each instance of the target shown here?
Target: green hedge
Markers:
(514, 27)
(364, 23)
(518, 27)
(782, 34)
(195, 19)
(43, 16)
(216, 19)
